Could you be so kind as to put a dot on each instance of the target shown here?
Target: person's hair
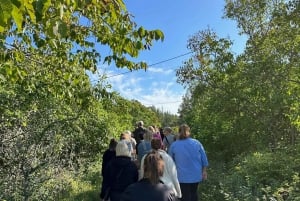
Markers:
(153, 167)
(127, 132)
(148, 135)
(156, 143)
(122, 149)
(140, 124)
(126, 135)
(112, 144)
(122, 136)
(184, 131)
(155, 128)
(168, 130)
(151, 128)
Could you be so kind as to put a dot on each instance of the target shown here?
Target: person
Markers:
(191, 163)
(145, 145)
(109, 154)
(119, 173)
(169, 137)
(161, 131)
(156, 133)
(130, 138)
(150, 188)
(126, 137)
(139, 131)
(169, 176)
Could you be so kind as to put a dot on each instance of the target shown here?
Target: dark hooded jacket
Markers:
(138, 134)
(119, 173)
(107, 156)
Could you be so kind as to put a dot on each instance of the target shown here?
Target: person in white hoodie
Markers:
(169, 177)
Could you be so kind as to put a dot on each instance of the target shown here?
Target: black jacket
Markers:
(138, 134)
(107, 156)
(143, 190)
(119, 173)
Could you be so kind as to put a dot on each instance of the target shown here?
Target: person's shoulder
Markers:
(166, 190)
(193, 140)
(133, 166)
(166, 157)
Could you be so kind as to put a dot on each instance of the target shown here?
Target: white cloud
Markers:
(158, 94)
(164, 99)
(160, 70)
(164, 94)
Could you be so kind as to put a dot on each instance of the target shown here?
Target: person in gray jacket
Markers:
(169, 137)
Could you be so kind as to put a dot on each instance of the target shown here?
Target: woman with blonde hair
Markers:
(169, 176)
(150, 187)
(191, 163)
(145, 145)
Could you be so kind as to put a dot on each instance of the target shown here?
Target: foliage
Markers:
(264, 175)
(50, 136)
(85, 185)
(243, 103)
(245, 108)
(53, 121)
(58, 40)
(165, 118)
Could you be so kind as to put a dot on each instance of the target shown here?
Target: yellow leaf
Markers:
(17, 15)
(30, 10)
(1, 29)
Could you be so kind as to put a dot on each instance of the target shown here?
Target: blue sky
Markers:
(178, 20)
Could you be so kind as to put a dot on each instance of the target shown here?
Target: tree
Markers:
(250, 99)
(272, 62)
(245, 108)
(51, 117)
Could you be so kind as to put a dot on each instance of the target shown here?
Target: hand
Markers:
(204, 175)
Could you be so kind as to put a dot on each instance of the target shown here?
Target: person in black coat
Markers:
(139, 132)
(109, 154)
(119, 173)
(150, 188)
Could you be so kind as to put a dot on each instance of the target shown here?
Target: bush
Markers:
(264, 176)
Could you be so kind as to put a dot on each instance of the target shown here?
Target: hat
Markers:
(122, 149)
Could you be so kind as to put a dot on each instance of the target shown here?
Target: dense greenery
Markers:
(245, 108)
(54, 124)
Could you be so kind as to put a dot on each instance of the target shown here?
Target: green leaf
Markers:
(159, 35)
(141, 32)
(62, 29)
(139, 45)
(30, 10)
(5, 12)
(18, 17)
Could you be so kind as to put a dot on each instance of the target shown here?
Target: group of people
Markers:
(146, 165)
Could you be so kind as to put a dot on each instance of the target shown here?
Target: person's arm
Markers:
(105, 181)
(172, 171)
(204, 162)
(142, 168)
(204, 173)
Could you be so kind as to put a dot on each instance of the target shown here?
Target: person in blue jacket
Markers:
(191, 163)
